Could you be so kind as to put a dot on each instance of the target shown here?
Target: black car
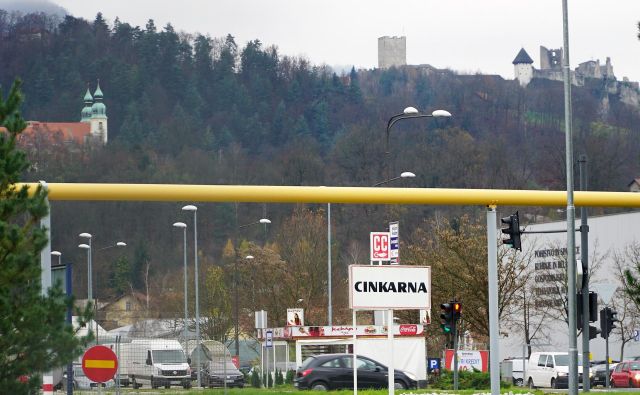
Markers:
(335, 371)
(599, 373)
(220, 374)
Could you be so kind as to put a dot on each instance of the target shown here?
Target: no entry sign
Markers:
(99, 364)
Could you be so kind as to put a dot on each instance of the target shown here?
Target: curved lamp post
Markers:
(194, 209)
(236, 309)
(404, 174)
(183, 226)
(59, 255)
(408, 113)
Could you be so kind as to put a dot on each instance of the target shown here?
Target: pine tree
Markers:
(34, 336)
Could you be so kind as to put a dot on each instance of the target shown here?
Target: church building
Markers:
(92, 127)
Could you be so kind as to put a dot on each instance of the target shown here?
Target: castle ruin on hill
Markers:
(551, 69)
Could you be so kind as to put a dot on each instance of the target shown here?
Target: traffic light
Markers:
(513, 230)
(608, 318)
(593, 307)
(457, 310)
(447, 322)
(593, 332)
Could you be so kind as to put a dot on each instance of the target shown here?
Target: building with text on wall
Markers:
(611, 238)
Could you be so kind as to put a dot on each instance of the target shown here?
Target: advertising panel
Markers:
(389, 287)
(379, 243)
(468, 360)
(295, 317)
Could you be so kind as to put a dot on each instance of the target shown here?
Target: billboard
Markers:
(389, 287)
(295, 317)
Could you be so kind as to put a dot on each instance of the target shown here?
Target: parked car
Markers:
(599, 373)
(550, 369)
(335, 371)
(219, 374)
(626, 374)
(82, 382)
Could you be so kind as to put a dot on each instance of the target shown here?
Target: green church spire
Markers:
(86, 111)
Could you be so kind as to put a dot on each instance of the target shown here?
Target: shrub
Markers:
(255, 379)
(290, 375)
(467, 380)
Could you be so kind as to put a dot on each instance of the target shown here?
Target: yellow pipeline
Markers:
(352, 195)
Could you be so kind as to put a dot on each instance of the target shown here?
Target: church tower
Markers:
(99, 116)
(523, 67)
(86, 111)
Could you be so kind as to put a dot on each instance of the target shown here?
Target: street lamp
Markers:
(90, 268)
(408, 113)
(186, 309)
(264, 221)
(194, 209)
(404, 174)
(59, 255)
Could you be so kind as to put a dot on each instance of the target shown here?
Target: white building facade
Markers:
(611, 239)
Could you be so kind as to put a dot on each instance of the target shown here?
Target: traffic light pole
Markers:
(607, 384)
(494, 335)
(455, 356)
(584, 254)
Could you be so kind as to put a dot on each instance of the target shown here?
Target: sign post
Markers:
(388, 288)
(99, 364)
(394, 242)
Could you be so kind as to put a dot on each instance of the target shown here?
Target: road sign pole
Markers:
(492, 251)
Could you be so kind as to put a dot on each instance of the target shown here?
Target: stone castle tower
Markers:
(392, 51)
(95, 114)
(523, 67)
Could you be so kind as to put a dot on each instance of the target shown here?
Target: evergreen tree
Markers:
(34, 336)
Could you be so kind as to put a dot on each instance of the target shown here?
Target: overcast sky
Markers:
(464, 35)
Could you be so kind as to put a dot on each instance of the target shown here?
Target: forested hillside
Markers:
(187, 108)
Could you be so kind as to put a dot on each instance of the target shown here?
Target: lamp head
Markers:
(407, 174)
(265, 221)
(121, 244)
(190, 207)
(410, 110)
(85, 235)
(180, 225)
(300, 300)
(84, 246)
(441, 114)
(249, 257)
(56, 253)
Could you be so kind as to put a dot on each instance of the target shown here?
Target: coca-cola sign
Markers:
(408, 329)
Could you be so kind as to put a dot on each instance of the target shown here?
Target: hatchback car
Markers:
(220, 374)
(335, 371)
(626, 374)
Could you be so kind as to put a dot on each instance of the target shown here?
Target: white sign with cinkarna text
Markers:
(389, 287)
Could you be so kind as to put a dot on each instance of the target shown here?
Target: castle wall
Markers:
(392, 51)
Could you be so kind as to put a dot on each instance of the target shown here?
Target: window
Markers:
(542, 361)
(127, 306)
(550, 361)
(618, 367)
(332, 363)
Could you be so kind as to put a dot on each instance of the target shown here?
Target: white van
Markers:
(156, 362)
(550, 369)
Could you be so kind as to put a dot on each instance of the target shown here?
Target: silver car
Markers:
(82, 382)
